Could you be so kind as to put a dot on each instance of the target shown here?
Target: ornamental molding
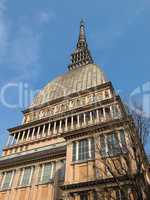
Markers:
(52, 102)
(25, 158)
(68, 105)
(60, 116)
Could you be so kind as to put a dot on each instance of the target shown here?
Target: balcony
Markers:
(56, 128)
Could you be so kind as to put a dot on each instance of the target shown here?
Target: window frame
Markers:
(84, 196)
(23, 177)
(41, 173)
(83, 150)
(117, 146)
(9, 184)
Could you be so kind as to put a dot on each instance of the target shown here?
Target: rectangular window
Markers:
(122, 139)
(61, 171)
(83, 149)
(121, 195)
(7, 179)
(26, 176)
(74, 151)
(112, 144)
(46, 172)
(84, 196)
(116, 114)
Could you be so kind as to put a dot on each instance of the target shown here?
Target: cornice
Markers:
(32, 157)
(93, 183)
(62, 115)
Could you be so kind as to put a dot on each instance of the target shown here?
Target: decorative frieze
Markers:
(67, 105)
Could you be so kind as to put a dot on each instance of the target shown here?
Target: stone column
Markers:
(60, 126)
(91, 117)
(43, 131)
(90, 148)
(33, 133)
(13, 139)
(109, 92)
(78, 121)
(49, 129)
(66, 124)
(8, 141)
(84, 119)
(97, 116)
(104, 114)
(103, 95)
(54, 131)
(111, 112)
(38, 132)
(17, 141)
(28, 134)
(118, 111)
(77, 150)
(23, 136)
(71, 122)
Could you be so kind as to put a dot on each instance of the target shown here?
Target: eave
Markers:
(97, 182)
(49, 152)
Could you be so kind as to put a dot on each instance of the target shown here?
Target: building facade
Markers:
(74, 141)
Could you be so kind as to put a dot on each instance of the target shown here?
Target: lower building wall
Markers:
(78, 171)
(41, 192)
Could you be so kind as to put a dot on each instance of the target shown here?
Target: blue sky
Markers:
(37, 38)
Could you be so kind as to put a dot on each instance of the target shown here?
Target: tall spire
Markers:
(82, 36)
(81, 55)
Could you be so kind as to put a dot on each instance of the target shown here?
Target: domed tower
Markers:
(75, 125)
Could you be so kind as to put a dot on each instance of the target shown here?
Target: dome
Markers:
(73, 81)
(83, 74)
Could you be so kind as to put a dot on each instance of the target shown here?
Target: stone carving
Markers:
(67, 105)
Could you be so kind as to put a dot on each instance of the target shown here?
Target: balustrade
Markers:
(73, 122)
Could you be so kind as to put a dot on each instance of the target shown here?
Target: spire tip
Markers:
(81, 55)
(82, 22)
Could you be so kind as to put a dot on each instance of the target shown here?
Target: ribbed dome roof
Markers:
(82, 74)
(73, 81)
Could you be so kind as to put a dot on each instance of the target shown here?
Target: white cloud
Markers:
(45, 17)
(20, 47)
